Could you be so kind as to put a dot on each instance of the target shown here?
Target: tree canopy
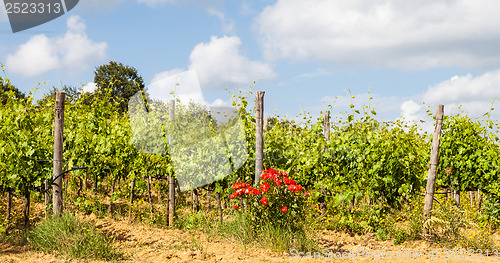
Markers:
(6, 88)
(72, 94)
(123, 81)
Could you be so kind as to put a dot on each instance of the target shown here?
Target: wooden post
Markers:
(456, 195)
(110, 208)
(219, 205)
(159, 191)
(209, 197)
(9, 208)
(47, 200)
(326, 125)
(259, 135)
(196, 204)
(479, 200)
(80, 187)
(167, 213)
(472, 197)
(132, 185)
(95, 183)
(57, 197)
(86, 181)
(431, 177)
(171, 182)
(326, 132)
(26, 208)
(171, 200)
(150, 197)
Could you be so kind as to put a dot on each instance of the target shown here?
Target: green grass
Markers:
(73, 237)
(276, 238)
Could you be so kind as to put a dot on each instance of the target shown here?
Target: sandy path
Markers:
(143, 243)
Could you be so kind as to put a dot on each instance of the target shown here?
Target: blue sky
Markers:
(302, 53)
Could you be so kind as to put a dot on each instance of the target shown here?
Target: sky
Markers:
(408, 56)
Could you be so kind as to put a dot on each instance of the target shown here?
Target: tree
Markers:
(6, 88)
(72, 95)
(122, 81)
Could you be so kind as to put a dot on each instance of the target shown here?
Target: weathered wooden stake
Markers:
(57, 196)
(456, 195)
(431, 177)
(167, 213)
(259, 135)
(86, 180)
(26, 208)
(219, 205)
(9, 209)
(196, 204)
(110, 208)
(80, 187)
(150, 197)
(326, 132)
(171, 181)
(132, 185)
(479, 200)
(171, 200)
(47, 198)
(209, 196)
(160, 183)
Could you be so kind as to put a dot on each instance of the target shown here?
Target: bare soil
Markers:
(145, 243)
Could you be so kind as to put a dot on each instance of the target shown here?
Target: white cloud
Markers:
(221, 103)
(72, 52)
(184, 84)
(34, 58)
(90, 87)
(465, 88)
(473, 94)
(411, 111)
(219, 64)
(401, 34)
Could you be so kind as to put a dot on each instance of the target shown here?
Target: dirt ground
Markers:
(142, 243)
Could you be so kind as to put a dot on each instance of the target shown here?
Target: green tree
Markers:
(8, 91)
(123, 82)
(72, 95)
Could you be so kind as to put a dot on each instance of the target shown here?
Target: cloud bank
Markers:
(73, 52)
(397, 34)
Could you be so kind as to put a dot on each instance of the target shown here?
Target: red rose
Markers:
(284, 209)
(278, 182)
(235, 207)
(291, 187)
(264, 187)
(264, 200)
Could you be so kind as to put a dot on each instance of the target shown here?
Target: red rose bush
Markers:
(277, 200)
